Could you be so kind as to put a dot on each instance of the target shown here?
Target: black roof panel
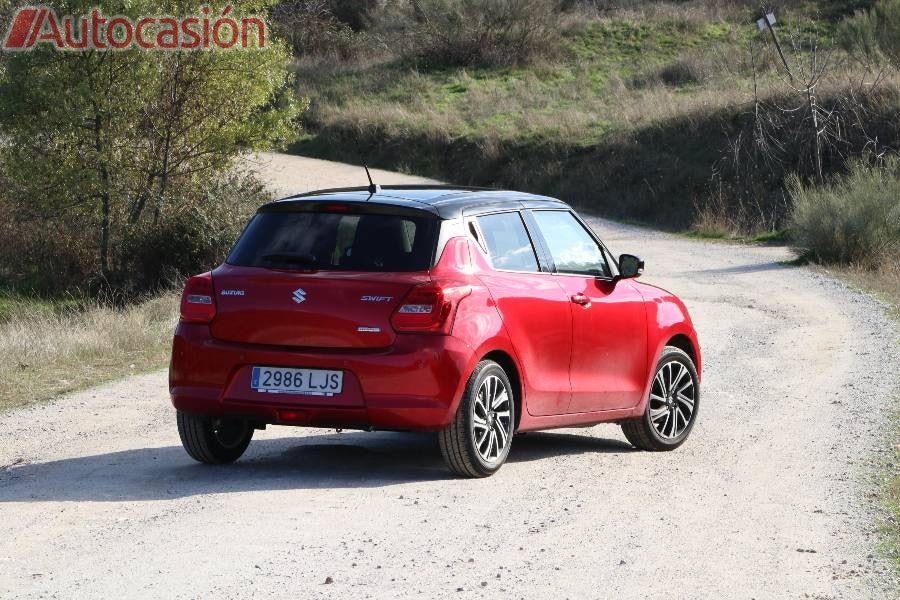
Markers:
(448, 202)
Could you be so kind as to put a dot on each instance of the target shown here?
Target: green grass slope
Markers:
(632, 118)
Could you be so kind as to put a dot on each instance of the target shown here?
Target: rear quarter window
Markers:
(508, 243)
(336, 241)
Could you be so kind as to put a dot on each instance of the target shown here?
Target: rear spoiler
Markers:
(378, 206)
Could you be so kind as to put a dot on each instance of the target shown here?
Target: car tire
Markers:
(477, 441)
(666, 424)
(212, 440)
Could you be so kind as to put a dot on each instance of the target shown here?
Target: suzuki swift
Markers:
(475, 314)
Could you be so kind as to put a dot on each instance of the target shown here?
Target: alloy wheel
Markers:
(672, 399)
(492, 419)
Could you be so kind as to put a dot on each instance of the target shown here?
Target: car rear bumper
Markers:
(414, 384)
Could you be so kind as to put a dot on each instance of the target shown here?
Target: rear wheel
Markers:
(477, 441)
(213, 440)
(672, 406)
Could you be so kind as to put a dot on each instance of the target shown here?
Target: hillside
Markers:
(636, 110)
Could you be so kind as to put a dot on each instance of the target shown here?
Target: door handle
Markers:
(581, 300)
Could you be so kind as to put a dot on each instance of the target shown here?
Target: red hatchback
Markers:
(475, 314)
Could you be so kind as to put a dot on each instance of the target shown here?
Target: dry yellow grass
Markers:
(883, 282)
(699, 11)
(46, 352)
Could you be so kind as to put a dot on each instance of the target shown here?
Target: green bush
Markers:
(99, 147)
(854, 219)
(189, 241)
(54, 256)
(874, 34)
(38, 253)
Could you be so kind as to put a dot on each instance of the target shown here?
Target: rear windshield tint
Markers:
(336, 241)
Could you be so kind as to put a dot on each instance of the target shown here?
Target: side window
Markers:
(508, 243)
(571, 246)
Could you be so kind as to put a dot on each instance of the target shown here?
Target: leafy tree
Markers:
(121, 140)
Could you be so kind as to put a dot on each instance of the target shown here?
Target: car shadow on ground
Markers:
(746, 269)
(347, 460)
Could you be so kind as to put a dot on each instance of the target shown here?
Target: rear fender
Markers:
(477, 322)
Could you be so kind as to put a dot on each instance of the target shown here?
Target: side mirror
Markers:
(630, 266)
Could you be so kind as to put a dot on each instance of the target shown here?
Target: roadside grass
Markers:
(884, 283)
(891, 484)
(780, 237)
(890, 288)
(51, 348)
(855, 220)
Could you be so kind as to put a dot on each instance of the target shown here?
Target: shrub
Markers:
(476, 32)
(162, 125)
(685, 71)
(313, 29)
(44, 255)
(355, 13)
(854, 219)
(874, 34)
(191, 240)
(54, 256)
(689, 70)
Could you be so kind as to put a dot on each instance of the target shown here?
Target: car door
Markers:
(534, 309)
(608, 317)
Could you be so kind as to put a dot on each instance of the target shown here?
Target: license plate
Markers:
(309, 382)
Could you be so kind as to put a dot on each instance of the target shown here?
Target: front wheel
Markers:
(477, 441)
(672, 406)
(212, 440)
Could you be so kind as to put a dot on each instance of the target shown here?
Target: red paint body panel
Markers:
(414, 384)
(534, 313)
(667, 318)
(609, 351)
(577, 364)
(324, 320)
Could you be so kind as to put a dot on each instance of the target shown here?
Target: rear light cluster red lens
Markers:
(198, 302)
(429, 308)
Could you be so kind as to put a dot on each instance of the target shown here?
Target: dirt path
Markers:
(767, 500)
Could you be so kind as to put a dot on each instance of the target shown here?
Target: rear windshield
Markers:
(336, 241)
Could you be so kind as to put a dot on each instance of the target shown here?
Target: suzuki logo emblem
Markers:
(299, 296)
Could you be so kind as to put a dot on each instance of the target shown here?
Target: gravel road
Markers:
(770, 498)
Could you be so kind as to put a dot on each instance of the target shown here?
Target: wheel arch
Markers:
(684, 343)
(512, 371)
(681, 336)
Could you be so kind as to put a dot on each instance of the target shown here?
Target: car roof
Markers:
(447, 202)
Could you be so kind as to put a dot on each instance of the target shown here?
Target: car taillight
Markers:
(429, 308)
(198, 302)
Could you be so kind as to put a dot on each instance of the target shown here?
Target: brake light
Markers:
(198, 302)
(429, 308)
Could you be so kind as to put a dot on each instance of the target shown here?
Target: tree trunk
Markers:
(104, 235)
(817, 136)
(104, 196)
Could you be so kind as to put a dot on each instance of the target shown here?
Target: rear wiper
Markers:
(294, 259)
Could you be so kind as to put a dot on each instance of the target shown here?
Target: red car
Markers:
(472, 313)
